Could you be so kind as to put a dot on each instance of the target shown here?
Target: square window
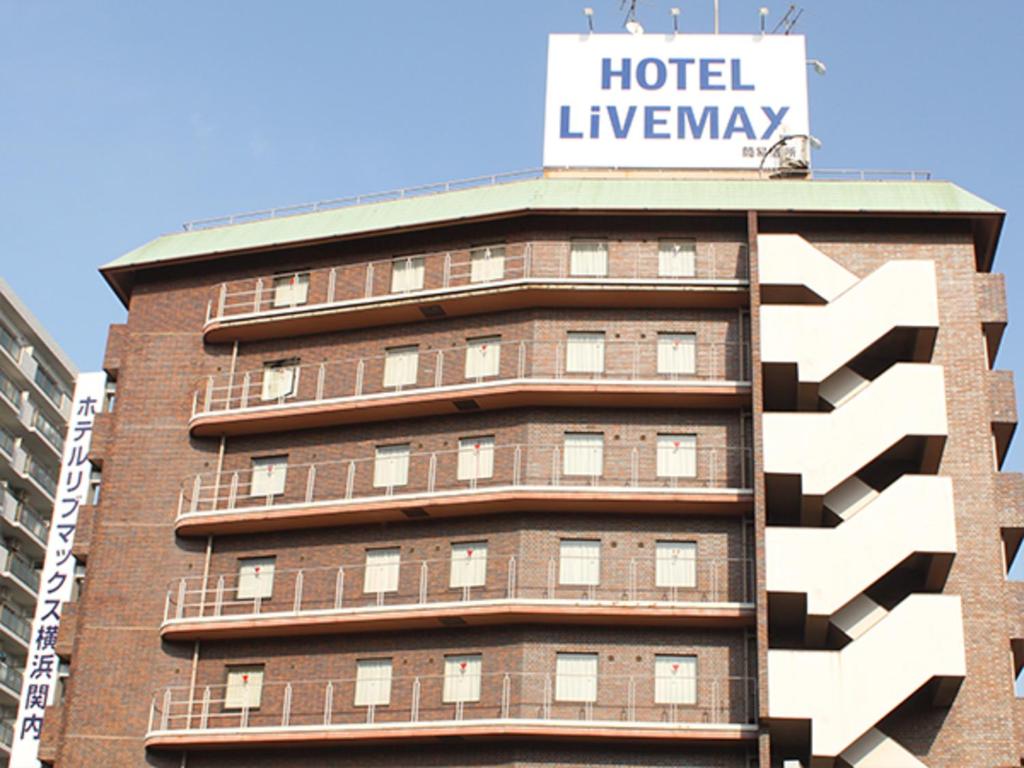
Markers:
(483, 357)
(579, 562)
(677, 353)
(407, 274)
(487, 264)
(244, 689)
(576, 677)
(291, 290)
(476, 458)
(382, 566)
(469, 564)
(373, 682)
(584, 352)
(391, 466)
(676, 564)
(675, 679)
(588, 259)
(400, 366)
(677, 455)
(677, 258)
(279, 379)
(462, 678)
(268, 476)
(255, 578)
(584, 454)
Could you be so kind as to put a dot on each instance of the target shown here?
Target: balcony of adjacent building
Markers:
(670, 705)
(415, 287)
(18, 571)
(15, 625)
(11, 679)
(21, 522)
(35, 477)
(671, 474)
(671, 370)
(21, 370)
(671, 586)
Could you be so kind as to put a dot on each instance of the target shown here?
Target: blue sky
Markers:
(122, 120)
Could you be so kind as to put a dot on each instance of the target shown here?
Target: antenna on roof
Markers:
(787, 22)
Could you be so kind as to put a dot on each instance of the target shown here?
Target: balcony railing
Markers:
(486, 364)
(6, 443)
(20, 568)
(674, 703)
(51, 433)
(10, 677)
(17, 511)
(428, 584)
(16, 623)
(9, 391)
(9, 344)
(474, 469)
(453, 270)
(45, 477)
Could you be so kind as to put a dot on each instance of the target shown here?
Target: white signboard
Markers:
(672, 101)
(58, 577)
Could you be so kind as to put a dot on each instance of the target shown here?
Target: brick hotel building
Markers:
(574, 471)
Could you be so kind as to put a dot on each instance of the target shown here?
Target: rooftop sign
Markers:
(672, 101)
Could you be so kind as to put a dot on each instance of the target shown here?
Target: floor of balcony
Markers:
(393, 309)
(473, 613)
(475, 730)
(481, 501)
(497, 395)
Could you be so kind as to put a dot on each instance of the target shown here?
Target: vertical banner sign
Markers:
(58, 577)
(673, 101)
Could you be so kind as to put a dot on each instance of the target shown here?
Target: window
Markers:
(677, 258)
(49, 430)
(391, 466)
(255, 577)
(676, 563)
(487, 264)
(585, 352)
(675, 679)
(47, 383)
(244, 687)
(469, 564)
(476, 458)
(291, 290)
(677, 455)
(268, 476)
(584, 454)
(407, 274)
(483, 357)
(279, 379)
(576, 677)
(677, 353)
(462, 678)
(382, 570)
(400, 365)
(588, 259)
(579, 562)
(373, 682)
(9, 341)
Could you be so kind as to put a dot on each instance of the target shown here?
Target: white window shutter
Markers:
(391, 466)
(677, 258)
(255, 578)
(268, 476)
(675, 679)
(579, 562)
(483, 357)
(382, 567)
(291, 290)
(677, 353)
(476, 458)
(584, 352)
(487, 264)
(677, 455)
(278, 381)
(588, 259)
(401, 365)
(676, 564)
(244, 688)
(584, 454)
(462, 678)
(373, 682)
(576, 677)
(469, 564)
(407, 274)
